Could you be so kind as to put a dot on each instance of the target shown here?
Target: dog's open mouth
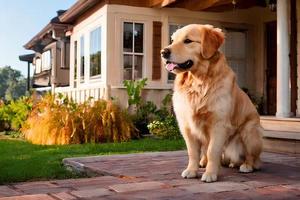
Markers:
(170, 66)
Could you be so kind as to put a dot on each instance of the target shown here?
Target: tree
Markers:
(12, 83)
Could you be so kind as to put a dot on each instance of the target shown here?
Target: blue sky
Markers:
(20, 20)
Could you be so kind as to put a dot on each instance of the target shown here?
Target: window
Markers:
(38, 65)
(46, 60)
(133, 50)
(172, 29)
(235, 51)
(75, 63)
(95, 52)
(82, 60)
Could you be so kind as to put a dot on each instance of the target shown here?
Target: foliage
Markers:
(134, 89)
(165, 128)
(258, 101)
(22, 161)
(165, 124)
(61, 121)
(12, 84)
(14, 113)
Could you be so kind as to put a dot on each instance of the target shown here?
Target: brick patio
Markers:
(157, 176)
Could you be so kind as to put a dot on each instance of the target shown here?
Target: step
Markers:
(281, 145)
(280, 124)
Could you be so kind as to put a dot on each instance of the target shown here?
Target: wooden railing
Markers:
(82, 94)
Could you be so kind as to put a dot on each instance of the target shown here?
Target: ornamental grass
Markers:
(61, 121)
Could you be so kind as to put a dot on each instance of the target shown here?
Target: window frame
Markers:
(170, 81)
(133, 54)
(98, 76)
(82, 52)
(43, 68)
(35, 65)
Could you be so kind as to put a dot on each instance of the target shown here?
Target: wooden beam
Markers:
(198, 5)
(160, 3)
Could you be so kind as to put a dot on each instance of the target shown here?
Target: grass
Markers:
(23, 161)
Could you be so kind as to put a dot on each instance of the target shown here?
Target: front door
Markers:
(271, 67)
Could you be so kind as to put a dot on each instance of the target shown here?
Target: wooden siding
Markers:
(156, 65)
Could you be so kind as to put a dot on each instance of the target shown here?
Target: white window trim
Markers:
(44, 68)
(122, 53)
(99, 76)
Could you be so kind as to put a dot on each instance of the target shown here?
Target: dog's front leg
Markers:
(193, 148)
(214, 152)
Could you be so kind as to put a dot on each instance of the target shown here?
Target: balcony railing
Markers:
(82, 94)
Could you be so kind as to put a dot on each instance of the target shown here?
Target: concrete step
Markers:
(281, 135)
(271, 123)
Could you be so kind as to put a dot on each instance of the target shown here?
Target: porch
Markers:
(82, 94)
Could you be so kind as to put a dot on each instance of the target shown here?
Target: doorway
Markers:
(271, 71)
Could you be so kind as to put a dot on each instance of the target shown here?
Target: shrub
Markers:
(166, 128)
(258, 101)
(14, 113)
(61, 121)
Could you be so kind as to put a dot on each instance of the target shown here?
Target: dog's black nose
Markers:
(166, 53)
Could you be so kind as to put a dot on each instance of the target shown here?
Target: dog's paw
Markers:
(203, 162)
(246, 168)
(188, 173)
(209, 177)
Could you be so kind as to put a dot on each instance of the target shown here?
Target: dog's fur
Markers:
(216, 118)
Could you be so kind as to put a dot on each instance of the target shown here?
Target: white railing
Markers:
(82, 94)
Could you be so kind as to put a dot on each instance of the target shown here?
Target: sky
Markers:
(21, 20)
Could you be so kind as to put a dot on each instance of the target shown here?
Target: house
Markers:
(51, 59)
(114, 40)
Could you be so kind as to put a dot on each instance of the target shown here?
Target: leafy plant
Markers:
(58, 120)
(16, 112)
(258, 101)
(166, 128)
(134, 89)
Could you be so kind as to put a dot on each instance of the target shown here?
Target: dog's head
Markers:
(191, 45)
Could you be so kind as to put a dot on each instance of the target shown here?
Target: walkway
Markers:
(157, 176)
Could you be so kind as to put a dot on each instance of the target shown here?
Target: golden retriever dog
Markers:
(216, 118)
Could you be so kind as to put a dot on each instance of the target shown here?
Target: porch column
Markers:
(283, 64)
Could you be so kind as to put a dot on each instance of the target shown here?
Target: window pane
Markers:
(127, 72)
(171, 76)
(127, 37)
(172, 29)
(95, 52)
(138, 67)
(46, 60)
(75, 60)
(82, 57)
(38, 65)
(138, 37)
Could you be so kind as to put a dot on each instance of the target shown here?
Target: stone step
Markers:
(280, 124)
(280, 145)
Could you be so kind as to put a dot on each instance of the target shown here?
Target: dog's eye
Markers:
(187, 41)
(171, 41)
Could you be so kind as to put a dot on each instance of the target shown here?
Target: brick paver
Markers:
(157, 176)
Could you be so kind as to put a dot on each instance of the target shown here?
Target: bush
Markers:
(166, 128)
(14, 113)
(60, 121)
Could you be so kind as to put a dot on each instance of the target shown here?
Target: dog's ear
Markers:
(211, 40)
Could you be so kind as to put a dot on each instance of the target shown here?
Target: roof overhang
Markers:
(78, 9)
(209, 5)
(27, 57)
(49, 33)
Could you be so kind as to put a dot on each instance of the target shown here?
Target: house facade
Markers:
(112, 41)
(51, 58)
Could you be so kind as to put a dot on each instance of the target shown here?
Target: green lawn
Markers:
(22, 161)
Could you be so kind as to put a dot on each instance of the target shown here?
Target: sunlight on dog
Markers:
(217, 119)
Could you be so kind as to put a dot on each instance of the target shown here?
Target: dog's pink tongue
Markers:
(170, 66)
